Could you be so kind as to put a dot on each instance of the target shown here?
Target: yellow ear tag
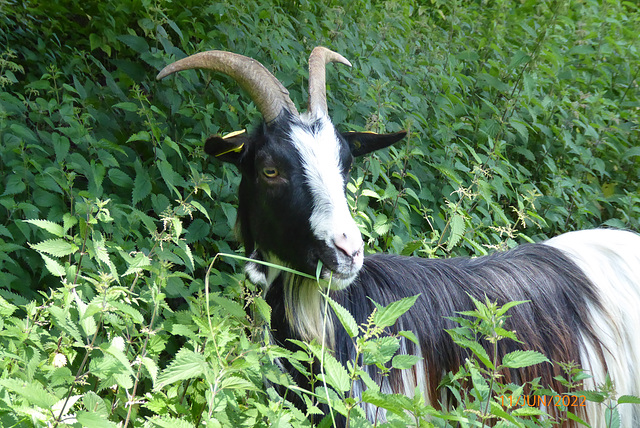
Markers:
(237, 149)
(234, 133)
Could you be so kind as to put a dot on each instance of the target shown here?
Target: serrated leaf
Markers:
(387, 316)
(49, 226)
(528, 411)
(169, 422)
(140, 136)
(5, 231)
(394, 403)
(236, 382)
(404, 362)
(504, 308)
(102, 254)
(263, 309)
(409, 335)
(380, 350)
(231, 307)
(137, 263)
(94, 403)
(127, 106)
(63, 406)
(593, 396)
(188, 259)
(457, 230)
(186, 365)
(623, 399)
(94, 420)
(151, 367)
(334, 373)
(56, 247)
(119, 355)
(346, 319)
(6, 308)
(202, 209)
(519, 359)
(612, 417)
(141, 184)
(61, 320)
(34, 392)
(53, 266)
(128, 310)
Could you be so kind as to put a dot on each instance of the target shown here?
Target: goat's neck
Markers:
(301, 300)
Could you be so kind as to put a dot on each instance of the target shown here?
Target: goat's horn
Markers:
(319, 57)
(263, 87)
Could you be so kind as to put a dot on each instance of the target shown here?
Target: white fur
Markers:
(611, 259)
(331, 218)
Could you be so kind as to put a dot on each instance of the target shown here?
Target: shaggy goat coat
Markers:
(584, 293)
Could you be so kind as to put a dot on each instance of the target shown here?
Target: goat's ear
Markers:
(362, 143)
(228, 148)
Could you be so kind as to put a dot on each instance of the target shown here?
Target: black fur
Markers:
(551, 323)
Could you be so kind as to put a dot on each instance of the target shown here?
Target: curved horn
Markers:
(319, 57)
(263, 87)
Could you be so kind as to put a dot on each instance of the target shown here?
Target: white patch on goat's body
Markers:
(330, 216)
(611, 260)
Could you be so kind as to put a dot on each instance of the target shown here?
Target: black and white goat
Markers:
(583, 287)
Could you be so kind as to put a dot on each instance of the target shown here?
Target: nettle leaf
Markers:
(94, 420)
(49, 226)
(334, 373)
(518, 359)
(56, 247)
(186, 254)
(128, 310)
(6, 308)
(33, 392)
(387, 316)
(404, 362)
(409, 335)
(380, 350)
(528, 411)
(141, 184)
(137, 263)
(61, 320)
(236, 382)
(628, 399)
(394, 403)
(151, 367)
(95, 404)
(63, 406)
(346, 319)
(169, 422)
(186, 365)
(263, 308)
(457, 230)
(119, 355)
(53, 266)
(5, 231)
(14, 185)
(102, 254)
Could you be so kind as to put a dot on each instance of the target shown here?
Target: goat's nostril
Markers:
(351, 247)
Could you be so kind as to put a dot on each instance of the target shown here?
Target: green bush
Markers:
(523, 123)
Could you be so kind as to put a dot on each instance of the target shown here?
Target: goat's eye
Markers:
(270, 172)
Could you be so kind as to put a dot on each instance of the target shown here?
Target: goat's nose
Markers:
(351, 246)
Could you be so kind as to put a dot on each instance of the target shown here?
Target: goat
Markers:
(583, 287)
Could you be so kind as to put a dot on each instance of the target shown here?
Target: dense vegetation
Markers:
(523, 120)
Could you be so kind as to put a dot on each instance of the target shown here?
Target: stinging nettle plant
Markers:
(293, 212)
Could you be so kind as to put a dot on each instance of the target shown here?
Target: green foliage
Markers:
(523, 123)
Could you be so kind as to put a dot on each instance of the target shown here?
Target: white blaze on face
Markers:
(331, 220)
